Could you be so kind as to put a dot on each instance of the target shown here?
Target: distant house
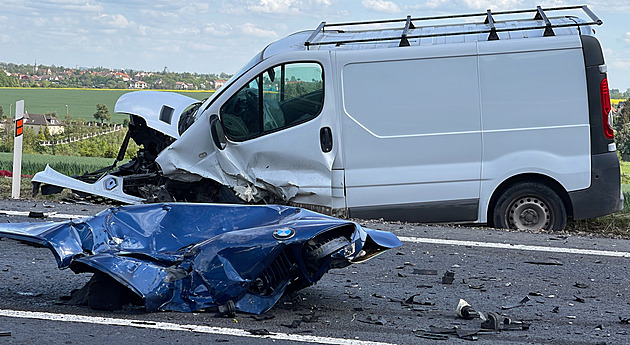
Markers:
(184, 86)
(37, 121)
(139, 84)
(123, 76)
(219, 83)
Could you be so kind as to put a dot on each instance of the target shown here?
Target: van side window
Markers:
(280, 97)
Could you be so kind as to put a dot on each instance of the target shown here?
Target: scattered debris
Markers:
(415, 300)
(374, 319)
(39, 214)
(430, 335)
(261, 331)
(228, 309)
(448, 278)
(546, 263)
(438, 333)
(187, 257)
(517, 305)
(294, 324)
(424, 272)
(499, 322)
(263, 317)
(466, 311)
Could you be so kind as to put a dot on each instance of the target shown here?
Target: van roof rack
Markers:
(490, 28)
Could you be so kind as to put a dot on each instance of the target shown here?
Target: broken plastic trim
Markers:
(108, 186)
(188, 257)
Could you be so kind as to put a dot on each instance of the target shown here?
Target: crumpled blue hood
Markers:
(187, 257)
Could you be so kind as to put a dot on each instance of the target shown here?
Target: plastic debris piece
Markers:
(263, 317)
(187, 257)
(468, 334)
(261, 331)
(578, 299)
(5, 333)
(374, 320)
(545, 263)
(294, 324)
(432, 336)
(465, 310)
(418, 301)
(448, 277)
(517, 305)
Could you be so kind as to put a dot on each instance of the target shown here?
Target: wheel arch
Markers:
(529, 177)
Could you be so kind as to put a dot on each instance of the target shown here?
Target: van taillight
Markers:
(606, 109)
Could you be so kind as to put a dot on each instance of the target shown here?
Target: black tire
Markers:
(529, 206)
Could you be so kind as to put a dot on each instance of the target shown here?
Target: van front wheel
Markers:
(529, 206)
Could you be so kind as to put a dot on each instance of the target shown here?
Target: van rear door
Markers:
(412, 133)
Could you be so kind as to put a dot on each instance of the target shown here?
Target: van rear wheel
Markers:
(529, 206)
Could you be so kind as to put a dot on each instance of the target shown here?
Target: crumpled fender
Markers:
(186, 257)
(154, 107)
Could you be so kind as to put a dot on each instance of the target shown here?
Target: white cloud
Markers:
(276, 6)
(251, 30)
(218, 29)
(626, 38)
(186, 31)
(201, 46)
(326, 3)
(381, 6)
(117, 21)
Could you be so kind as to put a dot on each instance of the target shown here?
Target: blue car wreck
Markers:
(189, 257)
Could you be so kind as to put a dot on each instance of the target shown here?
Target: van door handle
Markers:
(326, 139)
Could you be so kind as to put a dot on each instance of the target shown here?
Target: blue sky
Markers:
(213, 36)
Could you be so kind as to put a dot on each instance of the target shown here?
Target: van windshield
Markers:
(253, 62)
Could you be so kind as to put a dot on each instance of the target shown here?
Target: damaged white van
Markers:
(504, 121)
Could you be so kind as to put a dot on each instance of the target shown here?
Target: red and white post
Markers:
(17, 149)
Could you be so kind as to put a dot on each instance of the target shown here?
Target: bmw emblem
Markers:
(283, 233)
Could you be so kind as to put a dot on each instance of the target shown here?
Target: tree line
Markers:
(99, 77)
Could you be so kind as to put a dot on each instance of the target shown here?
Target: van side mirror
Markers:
(217, 132)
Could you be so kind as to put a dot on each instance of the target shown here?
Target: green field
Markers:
(67, 165)
(81, 102)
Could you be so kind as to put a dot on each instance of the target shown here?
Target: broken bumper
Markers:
(187, 257)
(108, 186)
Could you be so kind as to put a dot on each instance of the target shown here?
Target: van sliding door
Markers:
(412, 134)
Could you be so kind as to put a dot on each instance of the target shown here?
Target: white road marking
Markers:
(515, 247)
(169, 326)
(48, 214)
(417, 240)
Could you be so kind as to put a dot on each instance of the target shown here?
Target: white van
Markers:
(505, 122)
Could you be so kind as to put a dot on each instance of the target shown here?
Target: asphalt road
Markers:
(578, 289)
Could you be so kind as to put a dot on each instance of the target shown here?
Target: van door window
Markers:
(280, 97)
